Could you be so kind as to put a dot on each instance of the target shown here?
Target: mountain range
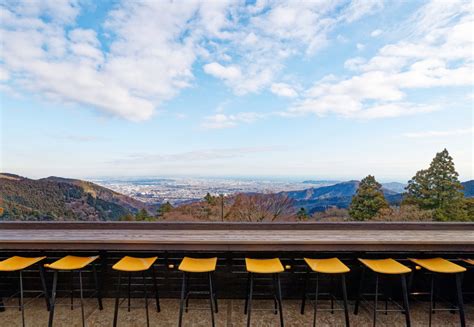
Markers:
(337, 195)
(340, 195)
(56, 198)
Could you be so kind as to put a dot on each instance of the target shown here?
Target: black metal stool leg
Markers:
(43, 285)
(214, 294)
(71, 289)
(82, 298)
(128, 291)
(216, 306)
(316, 295)
(410, 280)
(22, 307)
(187, 294)
(460, 300)
(359, 292)
(117, 299)
(303, 296)
(280, 306)
(431, 299)
(157, 296)
(146, 299)
(406, 306)
(275, 296)
(376, 298)
(249, 301)
(247, 294)
(344, 298)
(97, 287)
(19, 298)
(211, 299)
(332, 292)
(53, 299)
(181, 303)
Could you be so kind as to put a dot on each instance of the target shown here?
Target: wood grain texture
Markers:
(239, 239)
(204, 225)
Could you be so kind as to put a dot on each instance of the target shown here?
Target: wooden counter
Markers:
(293, 237)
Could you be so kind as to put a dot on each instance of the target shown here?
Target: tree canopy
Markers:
(368, 200)
(438, 188)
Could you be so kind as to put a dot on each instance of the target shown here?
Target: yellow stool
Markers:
(130, 265)
(72, 263)
(332, 266)
(442, 266)
(16, 263)
(197, 265)
(469, 261)
(264, 266)
(384, 268)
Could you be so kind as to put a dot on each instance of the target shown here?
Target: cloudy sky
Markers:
(320, 89)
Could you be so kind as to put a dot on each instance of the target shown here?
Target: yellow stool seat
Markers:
(18, 263)
(469, 261)
(385, 266)
(71, 262)
(134, 264)
(264, 266)
(198, 265)
(439, 265)
(327, 266)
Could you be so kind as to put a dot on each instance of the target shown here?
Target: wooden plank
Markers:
(237, 240)
(109, 225)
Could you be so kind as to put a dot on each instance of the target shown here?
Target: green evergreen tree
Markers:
(419, 190)
(164, 208)
(211, 200)
(302, 214)
(438, 188)
(469, 205)
(368, 200)
(142, 215)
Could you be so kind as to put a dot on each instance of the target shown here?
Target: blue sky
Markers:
(324, 89)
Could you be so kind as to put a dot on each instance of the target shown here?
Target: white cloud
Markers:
(376, 33)
(360, 46)
(4, 75)
(130, 80)
(354, 63)
(278, 30)
(227, 73)
(283, 90)
(359, 8)
(151, 47)
(430, 134)
(220, 120)
(441, 57)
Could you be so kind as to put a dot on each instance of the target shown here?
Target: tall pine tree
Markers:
(438, 188)
(368, 200)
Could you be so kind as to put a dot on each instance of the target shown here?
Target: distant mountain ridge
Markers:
(57, 198)
(395, 187)
(468, 188)
(338, 195)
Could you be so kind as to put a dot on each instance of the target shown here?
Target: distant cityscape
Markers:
(184, 190)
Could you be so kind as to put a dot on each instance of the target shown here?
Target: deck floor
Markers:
(230, 314)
